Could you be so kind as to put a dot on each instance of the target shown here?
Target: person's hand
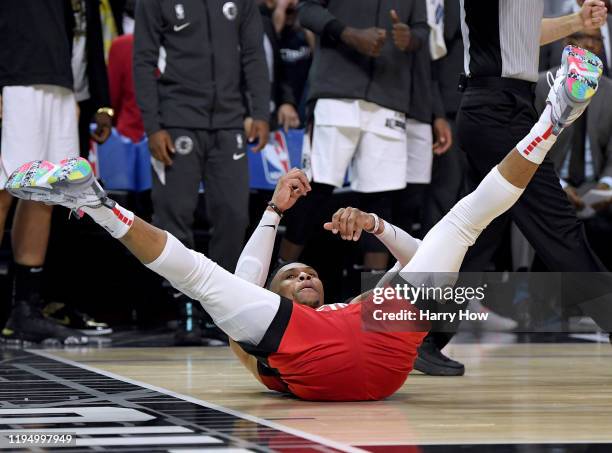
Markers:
(283, 5)
(288, 117)
(574, 198)
(260, 130)
(290, 188)
(349, 223)
(161, 146)
(401, 32)
(593, 14)
(247, 123)
(104, 126)
(443, 136)
(603, 205)
(279, 16)
(368, 41)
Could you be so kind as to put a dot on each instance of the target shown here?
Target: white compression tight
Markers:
(244, 311)
(446, 244)
(241, 309)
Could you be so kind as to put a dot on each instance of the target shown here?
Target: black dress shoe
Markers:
(432, 362)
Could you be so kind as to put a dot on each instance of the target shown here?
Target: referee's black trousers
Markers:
(491, 121)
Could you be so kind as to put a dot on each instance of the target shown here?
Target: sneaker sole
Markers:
(63, 185)
(582, 81)
(95, 333)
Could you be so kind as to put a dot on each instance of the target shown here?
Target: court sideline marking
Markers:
(296, 432)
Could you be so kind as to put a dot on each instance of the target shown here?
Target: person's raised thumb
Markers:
(394, 17)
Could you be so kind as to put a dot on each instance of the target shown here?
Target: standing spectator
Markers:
(89, 71)
(296, 48)
(282, 103)
(39, 118)
(91, 92)
(121, 83)
(426, 121)
(360, 88)
(447, 172)
(189, 93)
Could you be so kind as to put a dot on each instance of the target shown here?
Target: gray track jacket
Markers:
(210, 46)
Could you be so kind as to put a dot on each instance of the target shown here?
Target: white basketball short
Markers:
(362, 136)
(39, 122)
(419, 138)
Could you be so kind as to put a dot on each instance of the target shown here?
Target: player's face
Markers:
(299, 282)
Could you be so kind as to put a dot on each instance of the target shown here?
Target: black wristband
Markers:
(275, 208)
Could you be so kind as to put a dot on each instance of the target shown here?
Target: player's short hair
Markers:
(273, 273)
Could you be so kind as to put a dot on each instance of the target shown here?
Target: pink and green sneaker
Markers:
(574, 86)
(71, 184)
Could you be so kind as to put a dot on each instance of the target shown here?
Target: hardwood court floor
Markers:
(519, 393)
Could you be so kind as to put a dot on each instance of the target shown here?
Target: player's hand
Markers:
(574, 198)
(161, 146)
(104, 126)
(400, 31)
(260, 131)
(368, 41)
(290, 188)
(349, 223)
(288, 117)
(443, 136)
(593, 14)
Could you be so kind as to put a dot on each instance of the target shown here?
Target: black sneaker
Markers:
(74, 319)
(28, 325)
(211, 334)
(189, 332)
(432, 362)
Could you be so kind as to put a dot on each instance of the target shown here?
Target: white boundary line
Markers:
(487, 442)
(235, 413)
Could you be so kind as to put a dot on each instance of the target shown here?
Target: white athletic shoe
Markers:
(71, 184)
(494, 322)
(574, 86)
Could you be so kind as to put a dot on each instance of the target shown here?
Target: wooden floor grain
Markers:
(511, 393)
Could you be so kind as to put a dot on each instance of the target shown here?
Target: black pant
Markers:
(219, 159)
(491, 121)
(447, 183)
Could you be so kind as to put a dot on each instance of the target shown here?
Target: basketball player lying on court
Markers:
(318, 354)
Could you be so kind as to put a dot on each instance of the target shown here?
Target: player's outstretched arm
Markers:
(254, 262)
(349, 223)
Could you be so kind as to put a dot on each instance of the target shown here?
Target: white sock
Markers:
(540, 139)
(117, 221)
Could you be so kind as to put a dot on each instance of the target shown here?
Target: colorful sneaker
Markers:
(574, 86)
(71, 184)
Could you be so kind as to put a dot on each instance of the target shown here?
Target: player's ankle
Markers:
(539, 140)
(116, 220)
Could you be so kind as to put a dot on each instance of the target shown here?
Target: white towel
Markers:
(435, 20)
